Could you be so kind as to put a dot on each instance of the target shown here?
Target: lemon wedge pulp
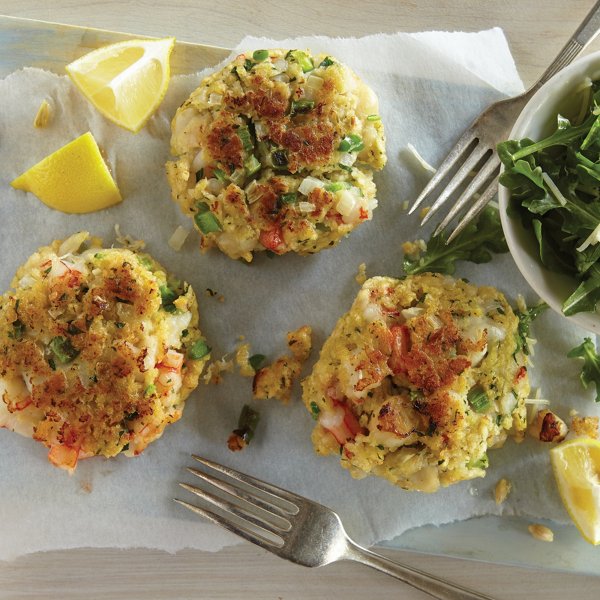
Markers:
(74, 179)
(125, 81)
(576, 466)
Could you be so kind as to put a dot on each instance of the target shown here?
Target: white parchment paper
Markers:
(430, 86)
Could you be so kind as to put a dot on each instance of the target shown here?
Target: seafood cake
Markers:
(418, 380)
(100, 348)
(275, 152)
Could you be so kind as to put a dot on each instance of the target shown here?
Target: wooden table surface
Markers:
(536, 30)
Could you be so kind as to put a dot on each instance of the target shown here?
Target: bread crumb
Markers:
(215, 369)
(502, 490)
(585, 426)
(300, 342)
(361, 276)
(541, 532)
(242, 356)
(43, 116)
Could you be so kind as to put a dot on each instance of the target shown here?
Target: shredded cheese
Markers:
(591, 239)
(426, 166)
(554, 189)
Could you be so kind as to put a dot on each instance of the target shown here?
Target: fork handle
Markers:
(430, 584)
(585, 33)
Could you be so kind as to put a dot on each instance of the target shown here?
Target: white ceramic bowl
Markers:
(536, 121)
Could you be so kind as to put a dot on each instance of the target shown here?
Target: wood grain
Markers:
(536, 30)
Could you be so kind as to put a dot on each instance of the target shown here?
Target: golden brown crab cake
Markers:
(275, 152)
(418, 380)
(100, 349)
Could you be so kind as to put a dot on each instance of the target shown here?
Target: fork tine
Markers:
(475, 209)
(238, 511)
(467, 166)
(213, 517)
(484, 174)
(240, 493)
(272, 491)
(459, 148)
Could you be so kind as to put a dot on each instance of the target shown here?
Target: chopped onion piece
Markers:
(199, 162)
(214, 186)
(261, 130)
(281, 77)
(591, 239)
(281, 64)
(347, 159)
(238, 176)
(306, 207)
(178, 238)
(426, 166)
(555, 191)
(215, 99)
(253, 192)
(309, 184)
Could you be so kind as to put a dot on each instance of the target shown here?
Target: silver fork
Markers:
(296, 528)
(476, 148)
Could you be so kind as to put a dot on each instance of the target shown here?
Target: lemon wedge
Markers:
(125, 81)
(74, 179)
(576, 466)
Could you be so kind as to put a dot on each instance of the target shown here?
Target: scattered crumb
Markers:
(242, 355)
(361, 276)
(127, 241)
(414, 249)
(212, 294)
(300, 342)
(405, 204)
(573, 413)
(43, 116)
(585, 426)
(423, 212)
(215, 369)
(502, 490)
(235, 442)
(541, 532)
(86, 486)
(548, 427)
(276, 380)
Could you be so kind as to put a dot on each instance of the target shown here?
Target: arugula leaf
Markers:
(590, 371)
(586, 296)
(475, 243)
(526, 317)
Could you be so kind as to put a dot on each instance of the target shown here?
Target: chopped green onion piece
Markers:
(478, 399)
(345, 167)
(247, 424)
(256, 361)
(73, 329)
(248, 64)
(63, 349)
(99, 255)
(151, 389)
(207, 222)
(336, 186)
(119, 325)
(184, 333)
(146, 262)
(479, 463)
(199, 175)
(302, 106)
(246, 138)
(351, 143)
(260, 55)
(199, 349)
(252, 165)
(18, 330)
(220, 175)
(314, 410)
(373, 118)
(279, 158)
(326, 62)
(303, 60)
(167, 294)
(290, 198)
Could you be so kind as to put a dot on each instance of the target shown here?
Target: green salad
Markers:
(554, 185)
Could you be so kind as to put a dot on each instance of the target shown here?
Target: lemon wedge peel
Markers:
(74, 179)
(576, 467)
(126, 81)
